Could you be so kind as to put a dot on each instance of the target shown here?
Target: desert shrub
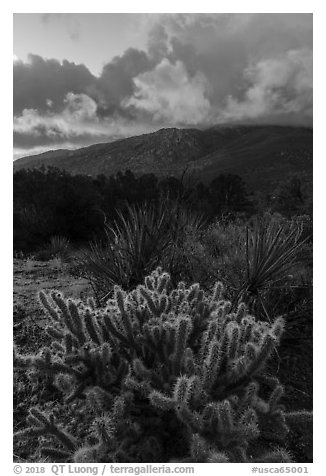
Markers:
(50, 201)
(165, 374)
(250, 257)
(271, 252)
(278, 276)
(58, 247)
(140, 239)
(266, 263)
(216, 253)
(294, 300)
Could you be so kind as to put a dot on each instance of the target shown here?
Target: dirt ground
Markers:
(32, 276)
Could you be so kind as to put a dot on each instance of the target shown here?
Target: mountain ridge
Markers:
(265, 152)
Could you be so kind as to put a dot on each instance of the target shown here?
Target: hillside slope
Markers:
(262, 155)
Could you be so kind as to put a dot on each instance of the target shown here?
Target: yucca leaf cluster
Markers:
(141, 238)
(272, 249)
(169, 374)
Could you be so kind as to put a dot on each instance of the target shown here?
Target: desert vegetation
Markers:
(52, 203)
(190, 337)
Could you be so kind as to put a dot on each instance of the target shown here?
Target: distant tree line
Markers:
(49, 202)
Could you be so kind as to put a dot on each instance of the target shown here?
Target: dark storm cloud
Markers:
(42, 80)
(116, 81)
(198, 70)
(43, 84)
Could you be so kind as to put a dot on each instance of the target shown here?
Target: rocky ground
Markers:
(31, 276)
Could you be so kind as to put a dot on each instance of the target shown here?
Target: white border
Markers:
(60, 6)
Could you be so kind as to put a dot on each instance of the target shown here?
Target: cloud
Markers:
(197, 70)
(80, 107)
(116, 80)
(169, 94)
(39, 79)
(278, 86)
(77, 124)
(238, 66)
(77, 119)
(56, 101)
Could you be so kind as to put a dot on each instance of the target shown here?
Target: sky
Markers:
(80, 79)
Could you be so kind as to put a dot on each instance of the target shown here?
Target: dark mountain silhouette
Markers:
(261, 155)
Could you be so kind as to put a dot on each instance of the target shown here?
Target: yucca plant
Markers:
(271, 251)
(141, 236)
(138, 240)
(101, 265)
(183, 224)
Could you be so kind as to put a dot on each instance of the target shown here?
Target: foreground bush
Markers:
(166, 375)
(266, 263)
(58, 247)
(139, 240)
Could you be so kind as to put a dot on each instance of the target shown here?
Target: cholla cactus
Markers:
(172, 374)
